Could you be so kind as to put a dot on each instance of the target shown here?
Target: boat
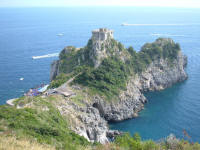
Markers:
(21, 79)
(60, 34)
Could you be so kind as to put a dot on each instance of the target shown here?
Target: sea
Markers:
(44, 32)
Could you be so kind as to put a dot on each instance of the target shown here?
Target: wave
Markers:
(46, 56)
(60, 34)
(127, 24)
(168, 35)
(21, 91)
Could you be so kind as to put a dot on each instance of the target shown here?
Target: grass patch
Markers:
(46, 126)
(14, 143)
(59, 80)
(78, 99)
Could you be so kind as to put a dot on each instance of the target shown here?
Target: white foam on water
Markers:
(171, 24)
(21, 91)
(168, 35)
(60, 34)
(46, 56)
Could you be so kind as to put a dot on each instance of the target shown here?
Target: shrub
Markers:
(46, 126)
(60, 79)
(150, 145)
(127, 142)
(108, 78)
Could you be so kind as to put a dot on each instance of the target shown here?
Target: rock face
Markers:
(100, 42)
(158, 76)
(54, 70)
(85, 121)
(91, 119)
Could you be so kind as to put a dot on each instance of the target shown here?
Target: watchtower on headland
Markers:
(101, 40)
(102, 34)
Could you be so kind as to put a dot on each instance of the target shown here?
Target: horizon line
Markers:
(78, 6)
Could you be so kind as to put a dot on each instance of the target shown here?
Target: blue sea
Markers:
(27, 32)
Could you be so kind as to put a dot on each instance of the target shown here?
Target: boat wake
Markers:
(60, 34)
(127, 24)
(46, 56)
(167, 35)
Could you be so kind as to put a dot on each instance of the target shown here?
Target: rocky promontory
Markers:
(106, 81)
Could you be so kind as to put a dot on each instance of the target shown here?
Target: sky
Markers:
(61, 3)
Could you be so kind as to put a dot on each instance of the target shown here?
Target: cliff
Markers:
(157, 76)
(101, 82)
(109, 80)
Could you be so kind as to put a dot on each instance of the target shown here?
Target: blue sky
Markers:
(57, 3)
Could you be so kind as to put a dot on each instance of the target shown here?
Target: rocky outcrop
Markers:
(85, 120)
(158, 76)
(90, 119)
(100, 42)
(103, 45)
(54, 70)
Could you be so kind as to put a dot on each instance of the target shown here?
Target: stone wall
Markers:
(102, 34)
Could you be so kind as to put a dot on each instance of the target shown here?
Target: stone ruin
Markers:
(102, 34)
(100, 38)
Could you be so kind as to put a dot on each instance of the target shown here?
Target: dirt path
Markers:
(65, 88)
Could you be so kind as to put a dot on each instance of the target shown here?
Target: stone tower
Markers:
(102, 34)
(101, 38)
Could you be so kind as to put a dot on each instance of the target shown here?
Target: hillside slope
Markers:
(109, 80)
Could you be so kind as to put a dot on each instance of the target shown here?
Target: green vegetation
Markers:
(59, 80)
(62, 77)
(38, 122)
(150, 52)
(127, 142)
(162, 48)
(71, 58)
(14, 143)
(107, 79)
(112, 75)
(72, 61)
(78, 98)
(43, 127)
(43, 123)
(47, 136)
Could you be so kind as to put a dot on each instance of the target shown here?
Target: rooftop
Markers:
(102, 30)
